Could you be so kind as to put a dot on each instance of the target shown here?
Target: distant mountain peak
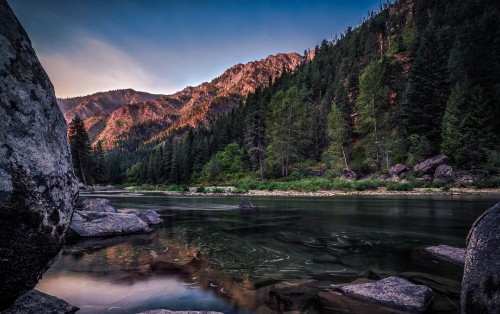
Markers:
(125, 115)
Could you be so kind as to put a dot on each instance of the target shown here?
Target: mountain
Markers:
(128, 118)
(413, 80)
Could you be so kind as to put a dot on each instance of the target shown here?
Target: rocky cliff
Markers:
(37, 184)
(116, 120)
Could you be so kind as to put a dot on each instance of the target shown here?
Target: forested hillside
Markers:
(415, 79)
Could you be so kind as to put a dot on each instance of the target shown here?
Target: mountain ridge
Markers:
(117, 118)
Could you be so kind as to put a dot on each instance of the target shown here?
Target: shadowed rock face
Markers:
(37, 184)
(481, 282)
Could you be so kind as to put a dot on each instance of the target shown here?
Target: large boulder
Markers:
(443, 173)
(92, 224)
(397, 170)
(36, 302)
(348, 174)
(38, 188)
(481, 281)
(96, 217)
(429, 166)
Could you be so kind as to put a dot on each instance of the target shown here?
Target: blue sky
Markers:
(163, 46)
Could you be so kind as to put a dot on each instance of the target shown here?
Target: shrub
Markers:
(396, 186)
(201, 189)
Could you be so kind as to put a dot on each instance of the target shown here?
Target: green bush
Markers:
(201, 189)
(491, 183)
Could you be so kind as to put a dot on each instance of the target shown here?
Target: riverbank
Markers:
(232, 191)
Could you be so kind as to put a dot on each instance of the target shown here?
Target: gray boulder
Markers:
(428, 166)
(397, 170)
(97, 205)
(349, 174)
(38, 188)
(440, 260)
(481, 281)
(92, 224)
(150, 217)
(444, 173)
(36, 302)
(392, 292)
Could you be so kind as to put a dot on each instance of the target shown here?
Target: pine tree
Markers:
(80, 149)
(373, 109)
(287, 128)
(337, 135)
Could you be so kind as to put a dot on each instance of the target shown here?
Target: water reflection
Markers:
(285, 242)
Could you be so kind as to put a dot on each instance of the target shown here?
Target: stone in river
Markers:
(36, 302)
(441, 260)
(91, 224)
(150, 217)
(481, 282)
(325, 259)
(246, 205)
(392, 292)
(38, 188)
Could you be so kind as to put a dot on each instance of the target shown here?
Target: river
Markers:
(285, 240)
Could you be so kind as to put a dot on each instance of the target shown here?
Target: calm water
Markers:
(285, 240)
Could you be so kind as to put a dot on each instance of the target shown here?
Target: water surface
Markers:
(285, 240)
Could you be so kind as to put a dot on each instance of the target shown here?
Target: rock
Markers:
(178, 312)
(92, 224)
(38, 188)
(397, 169)
(428, 166)
(97, 205)
(443, 173)
(246, 205)
(392, 292)
(453, 254)
(441, 260)
(481, 281)
(348, 174)
(35, 302)
(150, 217)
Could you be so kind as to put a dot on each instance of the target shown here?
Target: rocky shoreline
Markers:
(229, 192)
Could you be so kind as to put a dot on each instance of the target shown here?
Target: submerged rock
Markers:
(36, 302)
(38, 188)
(393, 292)
(455, 255)
(441, 260)
(246, 205)
(481, 281)
(150, 217)
(97, 218)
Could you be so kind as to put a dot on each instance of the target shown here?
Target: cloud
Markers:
(93, 65)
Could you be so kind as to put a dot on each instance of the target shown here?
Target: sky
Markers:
(162, 46)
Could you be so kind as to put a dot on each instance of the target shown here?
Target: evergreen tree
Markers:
(337, 135)
(287, 127)
(99, 171)
(80, 149)
(373, 110)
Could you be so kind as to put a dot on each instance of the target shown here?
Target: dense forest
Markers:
(415, 79)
